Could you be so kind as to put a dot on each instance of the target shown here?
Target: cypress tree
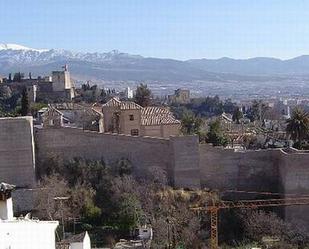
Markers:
(24, 103)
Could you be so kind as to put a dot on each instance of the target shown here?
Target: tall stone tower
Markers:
(62, 82)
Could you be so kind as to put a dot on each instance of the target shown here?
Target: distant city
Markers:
(237, 79)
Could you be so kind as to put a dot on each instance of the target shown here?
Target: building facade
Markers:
(181, 96)
(127, 117)
(71, 115)
(48, 88)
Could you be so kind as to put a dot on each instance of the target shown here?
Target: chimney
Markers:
(6, 204)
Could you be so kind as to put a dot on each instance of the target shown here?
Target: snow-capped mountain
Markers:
(117, 66)
(11, 46)
(113, 65)
(11, 54)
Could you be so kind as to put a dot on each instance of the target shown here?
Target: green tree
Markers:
(129, 212)
(24, 103)
(5, 93)
(298, 126)
(216, 135)
(143, 95)
(258, 110)
(190, 124)
(237, 115)
(18, 77)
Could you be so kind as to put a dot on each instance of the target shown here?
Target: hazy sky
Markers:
(180, 29)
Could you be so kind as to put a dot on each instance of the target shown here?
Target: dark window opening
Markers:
(131, 117)
(134, 132)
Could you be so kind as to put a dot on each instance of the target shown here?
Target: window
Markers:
(134, 132)
(131, 117)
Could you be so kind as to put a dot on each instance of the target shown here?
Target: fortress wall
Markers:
(266, 170)
(143, 152)
(295, 172)
(69, 143)
(185, 159)
(249, 170)
(17, 163)
(295, 176)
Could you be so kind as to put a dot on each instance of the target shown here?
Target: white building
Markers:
(22, 233)
(128, 93)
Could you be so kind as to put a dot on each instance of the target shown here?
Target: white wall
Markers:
(6, 209)
(86, 244)
(77, 245)
(23, 234)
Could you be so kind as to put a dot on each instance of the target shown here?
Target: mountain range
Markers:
(117, 66)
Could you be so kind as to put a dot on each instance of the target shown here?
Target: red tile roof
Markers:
(152, 115)
(157, 115)
(123, 105)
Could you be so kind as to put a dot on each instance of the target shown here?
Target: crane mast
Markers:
(214, 208)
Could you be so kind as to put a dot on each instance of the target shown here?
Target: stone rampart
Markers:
(143, 152)
(17, 163)
(188, 164)
(244, 170)
(254, 170)
(263, 170)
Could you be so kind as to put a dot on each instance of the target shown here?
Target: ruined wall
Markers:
(17, 163)
(143, 152)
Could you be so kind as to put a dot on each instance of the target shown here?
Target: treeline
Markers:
(110, 201)
(205, 107)
(16, 103)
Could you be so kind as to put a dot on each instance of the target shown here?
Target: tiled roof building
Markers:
(157, 115)
(72, 115)
(127, 117)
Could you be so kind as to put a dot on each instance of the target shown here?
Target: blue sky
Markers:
(179, 29)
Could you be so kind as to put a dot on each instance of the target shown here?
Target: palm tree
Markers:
(190, 124)
(298, 125)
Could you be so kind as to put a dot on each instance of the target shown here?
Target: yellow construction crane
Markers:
(215, 206)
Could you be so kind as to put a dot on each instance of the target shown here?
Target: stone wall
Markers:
(263, 170)
(247, 170)
(188, 164)
(178, 154)
(185, 161)
(295, 176)
(17, 163)
(269, 170)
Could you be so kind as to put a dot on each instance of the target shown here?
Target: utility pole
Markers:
(61, 199)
